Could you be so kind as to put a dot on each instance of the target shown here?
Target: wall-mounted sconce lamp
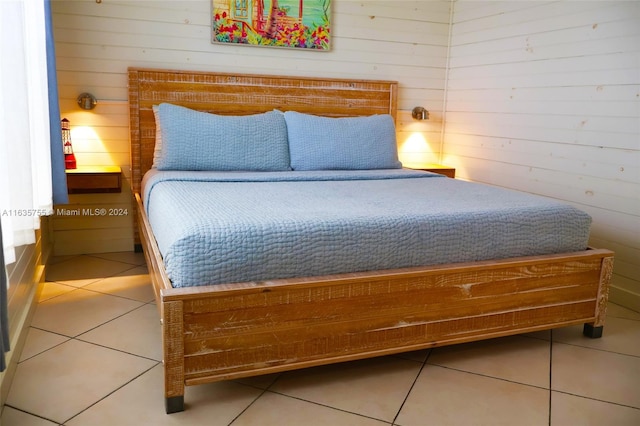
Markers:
(87, 101)
(419, 113)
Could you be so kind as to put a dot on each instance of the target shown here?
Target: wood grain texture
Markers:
(243, 329)
(602, 298)
(173, 348)
(243, 94)
(344, 316)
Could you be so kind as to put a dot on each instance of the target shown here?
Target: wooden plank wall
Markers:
(25, 276)
(96, 42)
(545, 97)
(541, 96)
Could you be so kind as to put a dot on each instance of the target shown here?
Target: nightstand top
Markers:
(95, 169)
(434, 168)
(427, 166)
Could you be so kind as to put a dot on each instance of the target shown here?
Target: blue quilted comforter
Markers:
(225, 227)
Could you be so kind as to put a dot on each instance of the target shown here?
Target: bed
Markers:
(413, 286)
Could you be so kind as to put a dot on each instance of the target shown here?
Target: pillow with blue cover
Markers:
(349, 143)
(194, 140)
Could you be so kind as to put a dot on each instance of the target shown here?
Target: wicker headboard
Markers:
(242, 94)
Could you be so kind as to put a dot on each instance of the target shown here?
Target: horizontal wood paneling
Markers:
(404, 41)
(25, 276)
(542, 96)
(211, 335)
(545, 97)
(109, 37)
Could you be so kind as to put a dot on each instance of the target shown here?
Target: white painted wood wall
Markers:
(541, 96)
(545, 97)
(25, 275)
(96, 42)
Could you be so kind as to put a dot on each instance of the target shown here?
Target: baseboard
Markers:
(18, 340)
(625, 298)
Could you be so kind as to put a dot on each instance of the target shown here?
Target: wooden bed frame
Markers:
(229, 331)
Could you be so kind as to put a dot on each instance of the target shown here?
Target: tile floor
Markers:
(93, 357)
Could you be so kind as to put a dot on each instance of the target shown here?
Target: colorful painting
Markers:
(303, 24)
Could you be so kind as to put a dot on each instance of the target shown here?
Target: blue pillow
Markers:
(350, 143)
(194, 140)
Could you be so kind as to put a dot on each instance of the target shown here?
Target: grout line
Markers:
(489, 377)
(279, 376)
(424, 364)
(247, 407)
(30, 413)
(598, 349)
(325, 406)
(596, 399)
(117, 350)
(48, 349)
(92, 256)
(623, 318)
(112, 392)
(551, 390)
(105, 293)
(97, 256)
(79, 339)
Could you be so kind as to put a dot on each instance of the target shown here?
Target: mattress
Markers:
(226, 227)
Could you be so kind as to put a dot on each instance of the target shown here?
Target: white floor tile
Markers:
(442, 396)
(617, 311)
(82, 270)
(141, 403)
(620, 335)
(517, 359)
(277, 410)
(137, 332)
(79, 311)
(132, 284)
(374, 387)
(39, 341)
(53, 289)
(124, 257)
(13, 417)
(67, 379)
(596, 374)
(576, 411)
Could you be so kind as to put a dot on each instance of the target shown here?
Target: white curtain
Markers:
(25, 155)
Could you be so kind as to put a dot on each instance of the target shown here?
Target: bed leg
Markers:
(592, 331)
(174, 404)
(173, 352)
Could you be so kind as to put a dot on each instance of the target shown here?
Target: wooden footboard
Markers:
(229, 331)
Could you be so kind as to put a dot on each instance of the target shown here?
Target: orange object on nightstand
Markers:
(69, 157)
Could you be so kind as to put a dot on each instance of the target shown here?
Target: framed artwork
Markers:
(300, 24)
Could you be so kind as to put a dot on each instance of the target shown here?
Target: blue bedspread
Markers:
(224, 227)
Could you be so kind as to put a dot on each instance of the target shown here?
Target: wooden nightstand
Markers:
(95, 179)
(437, 168)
